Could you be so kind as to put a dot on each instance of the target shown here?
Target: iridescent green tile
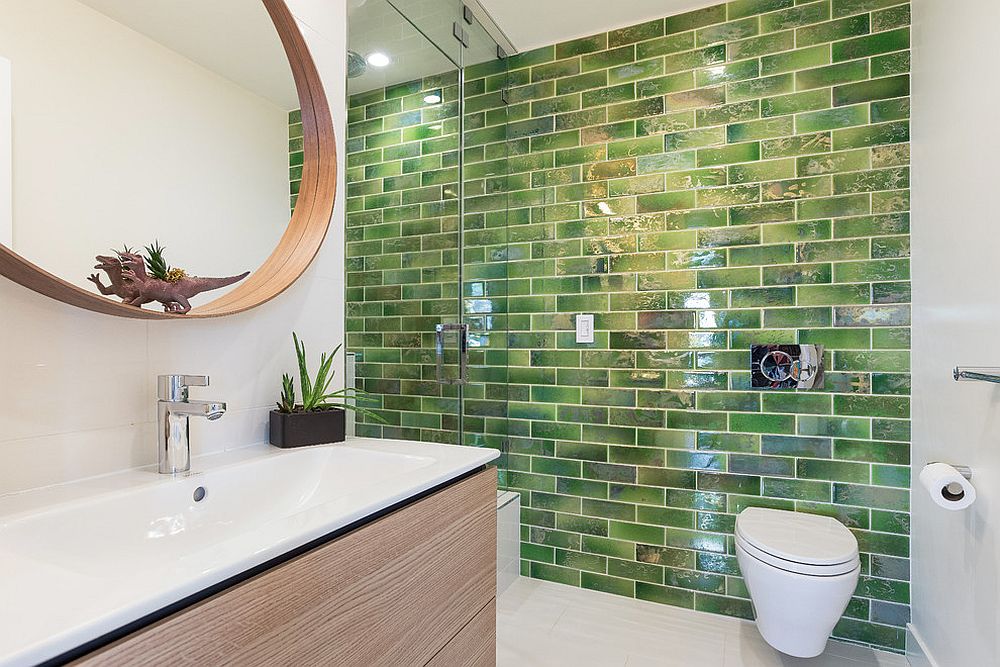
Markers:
(767, 128)
(872, 181)
(833, 295)
(769, 170)
(665, 201)
(889, 64)
(667, 162)
(580, 82)
(690, 420)
(882, 42)
(686, 140)
(729, 196)
(874, 316)
(793, 17)
(722, 402)
(729, 113)
(876, 89)
(781, 105)
(731, 236)
(803, 274)
(628, 110)
(872, 135)
(670, 122)
(765, 87)
(728, 32)
(695, 19)
(830, 119)
(687, 60)
(674, 43)
(582, 46)
(891, 202)
(896, 407)
(555, 70)
(634, 147)
(832, 75)
(636, 33)
(761, 46)
(762, 255)
(798, 489)
(806, 144)
(888, 269)
(728, 73)
(801, 188)
(797, 318)
(889, 110)
(747, 152)
(838, 29)
(610, 58)
(635, 71)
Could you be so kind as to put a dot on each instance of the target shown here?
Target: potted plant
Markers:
(320, 418)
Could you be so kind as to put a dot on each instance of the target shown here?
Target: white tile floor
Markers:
(541, 624)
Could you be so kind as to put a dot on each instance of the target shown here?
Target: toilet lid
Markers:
(806, 539)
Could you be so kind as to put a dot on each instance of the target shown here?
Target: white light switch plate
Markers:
(585, 328)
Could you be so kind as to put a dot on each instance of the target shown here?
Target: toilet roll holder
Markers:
(964, 471)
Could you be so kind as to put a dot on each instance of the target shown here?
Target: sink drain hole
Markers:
(199, 494)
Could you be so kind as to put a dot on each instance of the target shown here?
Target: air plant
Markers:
(316, 396)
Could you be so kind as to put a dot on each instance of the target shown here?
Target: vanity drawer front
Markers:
(475, 645)
(393, 592)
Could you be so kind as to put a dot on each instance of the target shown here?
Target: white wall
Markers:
(77, 389)
(956, 247)
(6, 180)
(118, 139)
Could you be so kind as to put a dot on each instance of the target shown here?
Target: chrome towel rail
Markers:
(965, 373)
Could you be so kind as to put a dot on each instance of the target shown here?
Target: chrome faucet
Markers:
(173, 411)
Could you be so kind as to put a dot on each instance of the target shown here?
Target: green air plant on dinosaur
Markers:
(320, 415)
(140, 279)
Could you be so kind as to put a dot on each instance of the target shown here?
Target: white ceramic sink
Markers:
(81, 560)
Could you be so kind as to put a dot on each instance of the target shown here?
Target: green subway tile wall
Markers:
(732, 175)
(295, 155)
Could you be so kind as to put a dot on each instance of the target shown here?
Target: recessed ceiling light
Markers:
(433, 98)
(378, 59)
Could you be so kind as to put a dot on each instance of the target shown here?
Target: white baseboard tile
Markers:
(916, 650)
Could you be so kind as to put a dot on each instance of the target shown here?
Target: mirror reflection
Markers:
(162, 136)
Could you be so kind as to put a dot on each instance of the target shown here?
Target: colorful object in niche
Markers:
(172, 287)
(786, 366)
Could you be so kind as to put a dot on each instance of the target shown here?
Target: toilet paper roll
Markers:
(947, 486)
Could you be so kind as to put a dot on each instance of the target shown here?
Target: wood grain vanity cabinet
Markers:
(414, 587)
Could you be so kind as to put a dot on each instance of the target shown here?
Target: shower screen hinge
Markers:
(468, 15)
(505, 95)
(461, 35)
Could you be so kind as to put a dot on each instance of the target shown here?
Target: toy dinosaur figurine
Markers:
(175, 296)
(113, 267)
(131, 282)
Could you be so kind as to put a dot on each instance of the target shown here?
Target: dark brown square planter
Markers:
(302, 429)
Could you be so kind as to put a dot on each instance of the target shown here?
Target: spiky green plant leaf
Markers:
(156, 264)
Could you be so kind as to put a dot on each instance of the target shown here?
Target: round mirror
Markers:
(153, 154)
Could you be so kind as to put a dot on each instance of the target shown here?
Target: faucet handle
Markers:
(175, 387)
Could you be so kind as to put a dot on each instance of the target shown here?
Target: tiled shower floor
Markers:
(541, 624)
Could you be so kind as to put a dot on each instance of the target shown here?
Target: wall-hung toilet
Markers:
(801, 570)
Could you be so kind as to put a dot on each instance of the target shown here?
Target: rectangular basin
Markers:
(81, 560)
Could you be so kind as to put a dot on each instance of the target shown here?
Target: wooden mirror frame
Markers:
(301, 240)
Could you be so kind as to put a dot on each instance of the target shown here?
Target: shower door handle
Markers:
(463, 353)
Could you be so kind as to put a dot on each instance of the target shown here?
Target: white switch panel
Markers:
(585, 328)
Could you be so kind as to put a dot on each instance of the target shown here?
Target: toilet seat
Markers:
(805, 544)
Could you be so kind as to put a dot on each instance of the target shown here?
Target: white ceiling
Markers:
(234, 38)
(530, 24)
